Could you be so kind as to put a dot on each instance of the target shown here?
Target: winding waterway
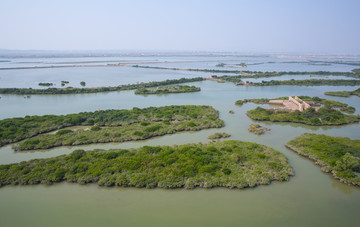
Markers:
(310, 198)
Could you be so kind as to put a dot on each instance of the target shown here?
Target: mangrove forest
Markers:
(322, 116)
(343, 93)
(314, 100)
(196, 117)
(336, 155)
(257, 129)
(231, 164)
(126, 132)
(167, 90)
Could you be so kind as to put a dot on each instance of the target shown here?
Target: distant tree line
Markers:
(343, 93)
(30, 91)
(311, 82)
(167, 90)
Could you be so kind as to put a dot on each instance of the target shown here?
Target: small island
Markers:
(336, 155)
(220, 65)
(113, 126)
(218, 135)
(46, 84)
(257, 129)
(302, 109)
(64, 82)
(344, 93)
(167, 90)
(230, 164)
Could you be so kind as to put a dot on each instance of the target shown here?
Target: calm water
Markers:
(310, 198)
(264, 65)
(93, 76)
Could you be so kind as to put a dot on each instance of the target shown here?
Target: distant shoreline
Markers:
(120, 64)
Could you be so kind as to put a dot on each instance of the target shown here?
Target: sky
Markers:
(256, 26)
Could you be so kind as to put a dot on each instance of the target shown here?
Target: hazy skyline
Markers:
(244, 26)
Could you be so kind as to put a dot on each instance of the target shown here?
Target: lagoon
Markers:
(310, 198)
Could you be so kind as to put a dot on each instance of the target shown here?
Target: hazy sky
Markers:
(312, 26)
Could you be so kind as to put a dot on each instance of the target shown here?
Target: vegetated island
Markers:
(70, 90)
(310, 82)
(231, 164)
(121, 126)
(238, 79)
(218, 135)
(167, 90)
(343, 93)
(293, 82)
(314, 101)
(257, 74)
(257, 129)
(326, 115)
(46, 84)
(64, 82)
(336, 155)
(16, 129)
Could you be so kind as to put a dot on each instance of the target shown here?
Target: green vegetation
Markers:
(311, 82)
(312, 100)
(231, 112)
(244, 65)
(16, 129)
(336, 155)
(95, 128)
(64, 82)
(220, 65)
(258, 74)
(127, 132)
(324, 116)
(218, 135)
(83, 83)
(257, 101)
(355, 63)
(254, 74)
(30, 91)
(167, 90)
(46, 84)
(257, 129)
(231, 164)
(343, 93)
